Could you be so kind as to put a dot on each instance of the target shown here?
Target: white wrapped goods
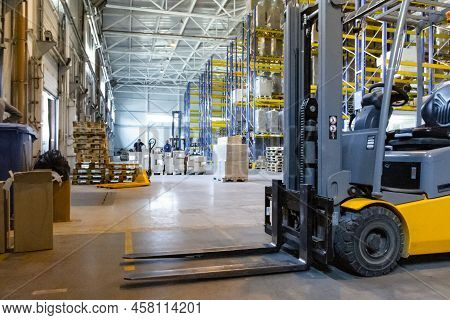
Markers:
(277, 83)
(178, 162)
(264, 47)
(260, 121)
(230, 140)
(281, 121)
(196, 165)
(230, 159)
(168, 165)
(262, 12)
(264, 87)
(238, 96)
(274, 15)
(272, 121)
(157, 162)
(276, 47)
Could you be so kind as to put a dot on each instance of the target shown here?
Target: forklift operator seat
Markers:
(369, 116)
(435, 133)
(436, 109)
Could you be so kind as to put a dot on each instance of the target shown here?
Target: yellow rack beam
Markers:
(410, 74)
(410, 32)
(379, 40)
(268, 135)
(215, 104)
(214, 96)
(436, 66)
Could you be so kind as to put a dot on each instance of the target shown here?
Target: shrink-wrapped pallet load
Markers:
(281, 121)
(264, 47)
(196, 165)
(262, 10)
(263, 87)
(230, 159)
(275, 15)
(260, 121)
(277, 83)
(238, 96)
(168, 163)
(276, 47)
(178, 162)
(272, 121)
(157, 162)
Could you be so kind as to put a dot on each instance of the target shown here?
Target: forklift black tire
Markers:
(369, 243)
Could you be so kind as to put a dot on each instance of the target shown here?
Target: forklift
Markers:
(178, 143)
(360, 199)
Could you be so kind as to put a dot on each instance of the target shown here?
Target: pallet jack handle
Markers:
(151, 146)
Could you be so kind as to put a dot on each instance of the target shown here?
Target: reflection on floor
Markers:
(176, 213)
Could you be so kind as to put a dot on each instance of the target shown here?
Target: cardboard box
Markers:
(230, 140)
(61, 201)
(231, 170)
(231, 152)
(33, 211)
(2, 218)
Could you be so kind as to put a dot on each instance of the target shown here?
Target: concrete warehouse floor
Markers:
(179, 212)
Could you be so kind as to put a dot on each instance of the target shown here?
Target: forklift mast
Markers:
(313, 129)
(176, 141)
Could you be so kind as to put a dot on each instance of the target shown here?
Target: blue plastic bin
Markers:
(16, 148)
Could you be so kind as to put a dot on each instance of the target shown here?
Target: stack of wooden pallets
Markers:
(121, 172)
(91, 151)
(274, 159)
(90, 142)
(89, 173)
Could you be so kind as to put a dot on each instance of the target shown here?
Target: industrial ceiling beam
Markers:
(163, 53)
(164, 36)
(172, 13)
(152, 86)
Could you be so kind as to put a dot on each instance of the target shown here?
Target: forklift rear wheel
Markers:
(369, 243)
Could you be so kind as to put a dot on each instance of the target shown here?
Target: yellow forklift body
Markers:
(426, 222)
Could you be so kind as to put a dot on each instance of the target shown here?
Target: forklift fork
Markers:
(289, 251)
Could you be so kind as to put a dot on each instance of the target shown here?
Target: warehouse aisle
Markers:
(186, 212)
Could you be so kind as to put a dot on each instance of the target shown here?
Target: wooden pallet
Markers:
(232, 179)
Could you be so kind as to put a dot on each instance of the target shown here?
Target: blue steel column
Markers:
(249, 78)
(201, 107)
(227, 95)
(209, 115)
(233, 105)
(244, 121)
(187, 117)
(252, 114)
(360, 56)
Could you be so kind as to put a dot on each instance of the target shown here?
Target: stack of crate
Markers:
(260, 163)
(89, 173)
(274, 159)
(91, 151)
(121, 172)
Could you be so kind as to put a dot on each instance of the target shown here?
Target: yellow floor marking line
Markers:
(129, 250)
(49, 291)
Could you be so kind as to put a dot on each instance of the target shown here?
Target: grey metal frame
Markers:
(396, 53)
